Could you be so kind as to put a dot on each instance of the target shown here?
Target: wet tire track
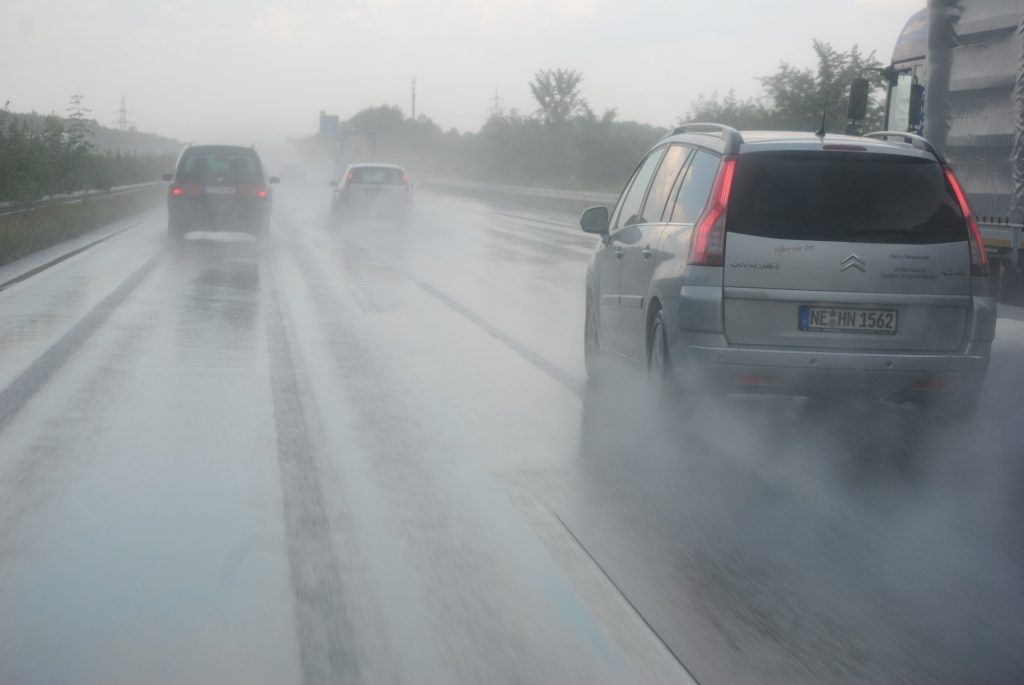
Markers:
(326, 635)
(30, 381)
(457, 576)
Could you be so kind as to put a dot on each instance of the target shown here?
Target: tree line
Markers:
(563, 143)
(43, 155)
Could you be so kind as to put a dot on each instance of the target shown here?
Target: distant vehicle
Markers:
(962, 91)
(372, 190)
(218, 188)
(785, 263)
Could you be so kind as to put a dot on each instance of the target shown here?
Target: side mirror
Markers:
(595, 220)
(168, 177)
(858, 107)
(333, 184)
(274, 179)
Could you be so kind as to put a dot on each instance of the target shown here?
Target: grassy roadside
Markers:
(26, 232)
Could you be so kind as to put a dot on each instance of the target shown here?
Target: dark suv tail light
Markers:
(979, 260)
(707, 248)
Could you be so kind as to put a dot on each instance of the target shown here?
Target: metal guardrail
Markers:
(570, 200)
(7, 208)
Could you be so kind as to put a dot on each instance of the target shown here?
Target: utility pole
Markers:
(414, 98)
(122, 120)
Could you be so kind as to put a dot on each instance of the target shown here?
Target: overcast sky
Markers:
(260, 71)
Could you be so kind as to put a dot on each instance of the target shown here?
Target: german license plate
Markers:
(220, 190)
(847, 320)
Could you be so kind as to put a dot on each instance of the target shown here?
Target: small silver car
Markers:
(792, 264)
(372, 190)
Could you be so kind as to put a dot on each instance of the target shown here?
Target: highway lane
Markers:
(366, 453)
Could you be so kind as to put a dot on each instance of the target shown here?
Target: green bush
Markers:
(38, 157)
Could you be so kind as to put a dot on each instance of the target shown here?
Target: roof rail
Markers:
(730, 136)
(917, 141)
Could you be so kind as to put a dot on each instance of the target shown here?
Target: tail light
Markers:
(979, 260)
(405, 179)
(258, 191)
(350, 177)
(176, 191)
(707, 248)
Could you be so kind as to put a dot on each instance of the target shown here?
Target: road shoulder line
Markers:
(61, 256)
(30, 381)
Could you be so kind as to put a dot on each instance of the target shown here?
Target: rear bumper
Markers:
(706, 359)
(737, 369)
(702, 355)
(246, 216)
(382, 200)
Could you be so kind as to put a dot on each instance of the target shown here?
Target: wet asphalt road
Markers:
(366, 453)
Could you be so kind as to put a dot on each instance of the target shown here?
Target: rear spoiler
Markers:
(917, 141)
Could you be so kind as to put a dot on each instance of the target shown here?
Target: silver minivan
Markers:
(787, 263)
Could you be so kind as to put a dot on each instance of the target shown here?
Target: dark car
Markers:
(218, 188)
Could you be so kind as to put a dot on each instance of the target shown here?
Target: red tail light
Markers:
(979, 260)
(176, 191)
(707, 248)
(350, 176)
(262, 192)
(405, 179)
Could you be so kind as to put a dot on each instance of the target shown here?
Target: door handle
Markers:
(618, 253)
(647, 252)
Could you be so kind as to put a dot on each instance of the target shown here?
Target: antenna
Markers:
(122, 120)
(824, 114)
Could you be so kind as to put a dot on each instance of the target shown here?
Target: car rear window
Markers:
(844, 197)
(374, 174)
(220, 165)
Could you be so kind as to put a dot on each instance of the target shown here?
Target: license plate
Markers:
(846, 320)
(221, 190)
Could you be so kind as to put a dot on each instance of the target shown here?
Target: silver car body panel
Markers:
(768, 280)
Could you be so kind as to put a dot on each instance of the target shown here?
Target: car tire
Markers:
(660, 376)
(592, 356)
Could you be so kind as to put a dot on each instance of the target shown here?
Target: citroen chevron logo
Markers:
(852, 262)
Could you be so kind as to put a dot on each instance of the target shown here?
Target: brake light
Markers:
(350, 176)
(262, 192)
(176, 191)
(979, 260)
(405, 179)
(707, 248)
(844, 148)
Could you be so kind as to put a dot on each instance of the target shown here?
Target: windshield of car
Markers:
(844, 197)
(376, 174)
